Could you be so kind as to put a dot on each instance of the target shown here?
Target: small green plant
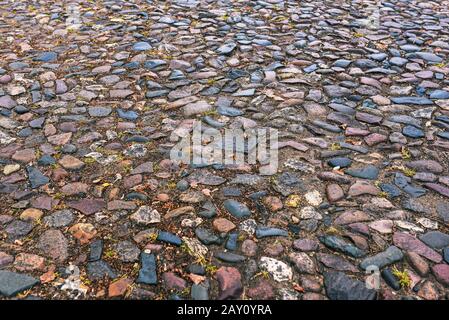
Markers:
(110, 254)
(152, 236)
(264, 274)
(210, 113)
(171, 185)
(403, 277)
(405, 152)
(89, 161)
(185, 248)
(383, 194)
(185, 292)
(211, 269)
(335, 146)
(409, 172)
(241, 237)
(333, 230)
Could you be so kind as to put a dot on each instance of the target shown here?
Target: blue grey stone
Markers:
(99, 111)
(378, 56)
(213, 123)
(231, 243)
(429, 57)
(96, 250)
(229, 111)
(339, 286)
(310, 68)
(36, 177)
(339, 244)
(262, 232)
(403, 183)
(369, 172)
(398, 61)
(98, 270)
(410, 48)
(390, 189)
(141, 46)
(147, 272)
(439, 94)
(169, 238)
(207, 237)
(156, 93)
(412, 100)
(37, 123)
(47, 57)
(197, 268)
(365, 63)
(339, 162)
(412, 132)
(12, 283)
(128, 115)
(342, 63)
(16, 66)
(390, 279)
(227, 48)
(200, 291)
(176, 75)
(182, 185)
(237, 209)
(46, 160)
(262, 42)
(136, 196)
(444, 135)
(435, 239)
(391, 255)
(153, 64)
(229, 257)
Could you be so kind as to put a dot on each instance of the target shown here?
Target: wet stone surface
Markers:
(93, 207)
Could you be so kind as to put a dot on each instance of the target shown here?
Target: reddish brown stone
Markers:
(88, 206)
(408, 242)
(31, 214)
(121, 205)
(375, 138)
(441, 272)
(75, 188)
(42, 202)
(273, 203)
(53, 244)
(249, 248)
(223, 225)
(334, 192)
(274, 249)
(172, 281)
(25, 155)
(352, 216)
(119, 287)
(60, 139)
(429, 291)
(84, 232)
(71, 163)
(5, 259)
(418, 263)
(230, 283)
(261, 291)
(132, 181)
(59, 174)
(29, 262)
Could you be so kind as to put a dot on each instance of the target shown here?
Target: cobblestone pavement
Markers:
(95, 94)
